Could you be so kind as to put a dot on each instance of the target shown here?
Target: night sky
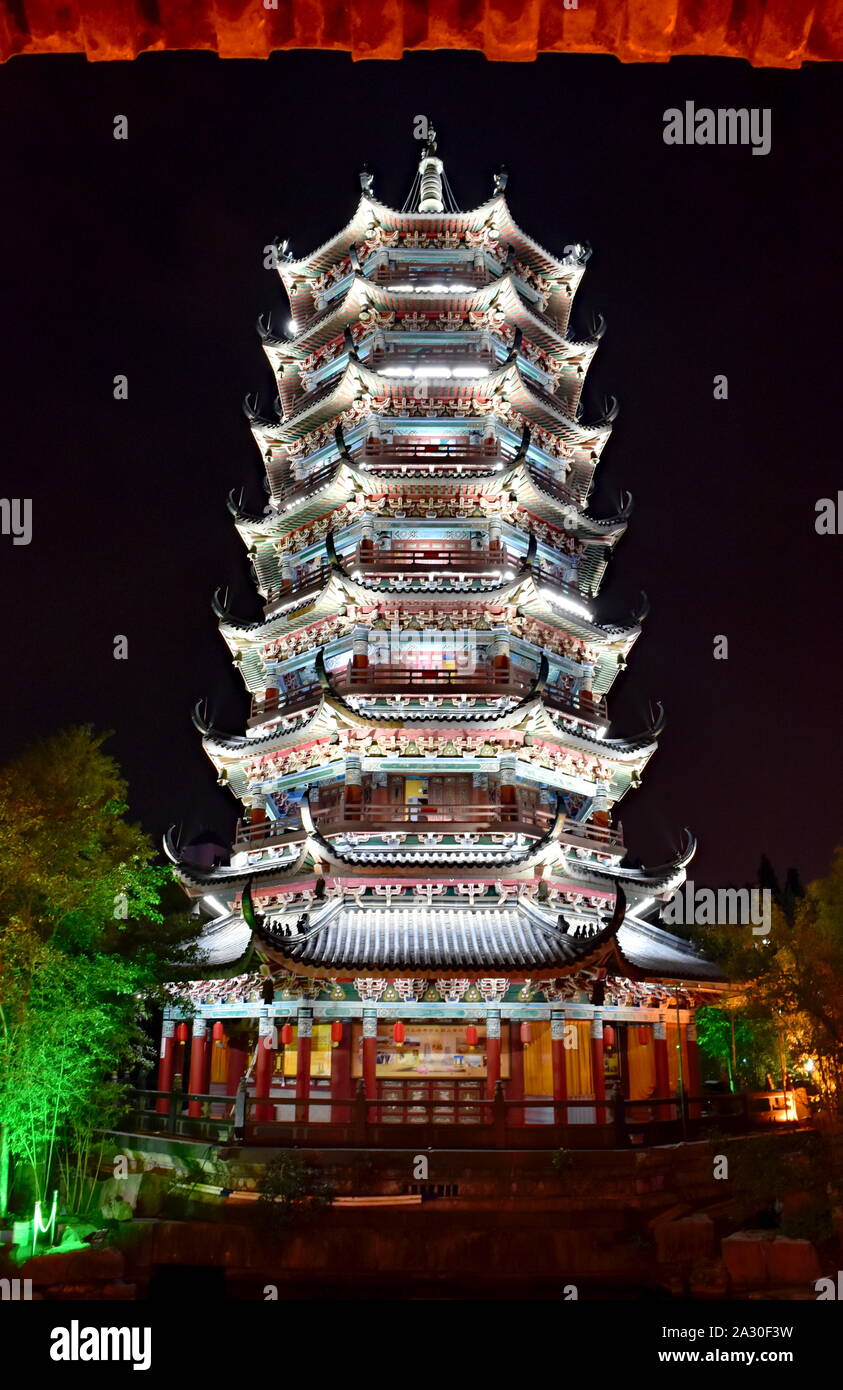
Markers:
(145, 257)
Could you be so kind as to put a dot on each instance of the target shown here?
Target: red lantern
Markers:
(643, 1035)
(609, 1035)
(471, 1035)
(218, 1033)
(399, 1032)
(181, 1033)
(526, 1032)
(336, 1032)
(287, 1034)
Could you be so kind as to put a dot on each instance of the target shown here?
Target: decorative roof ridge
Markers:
(509, 280)
(667, 874)
(618, 520)
(578, 264)
(368, 209)
(705, 967)
(225, 741)
(374, 208)
(277, 516)
(229, 623)
(318, 320)
(542, 398)
(294, 267)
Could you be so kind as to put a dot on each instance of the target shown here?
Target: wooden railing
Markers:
(406, 449)
(480, 679)
(374, 452)
(399, 355)
(500, 1123)
(475, 681)
(547, 482)
(398, 274)
(296, 488)
(459, 815)
(392, 561)
(315, 578)
(286, 701)
(398, 560)
(335, 814)
(567, 702)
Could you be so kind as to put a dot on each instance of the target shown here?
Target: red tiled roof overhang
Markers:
(769, 33)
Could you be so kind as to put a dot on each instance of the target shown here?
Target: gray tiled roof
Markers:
(401, 938)
(512, 938)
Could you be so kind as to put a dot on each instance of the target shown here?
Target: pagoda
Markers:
(428, 901)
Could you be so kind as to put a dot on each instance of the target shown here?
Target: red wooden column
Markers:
(304, 1050)
(353, 787)
(586, 693)
(166, 1061)
(215, 1037)
(493, 1052)
(238, 1060)
(341, 1075)
(662, 1067)
(598, 1075)
(370, 1055)
(360, 644)
(500, 655)
(516, 1072)
(179, 1054)
(198, 1053)
(508, 789)
(624, 1032)
(559, 1063)
(600, 813)
(264, 1067)
(367, 541)
(694, 1078)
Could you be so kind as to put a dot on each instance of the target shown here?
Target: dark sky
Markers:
(144, 257)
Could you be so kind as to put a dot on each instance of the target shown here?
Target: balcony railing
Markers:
(424, 276)
(577, 705)
(300, 584)
(448, 355)
(394, 561)
(398, 559)
(474, 682)
(415, 455)
(335, 813)
(295, 488)
(408, 448)
(547, 482)
(412, 561)
(481, 679)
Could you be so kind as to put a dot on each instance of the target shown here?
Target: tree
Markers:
(792, 979)
(745, 1048)
(85, 949)
(288, 1186)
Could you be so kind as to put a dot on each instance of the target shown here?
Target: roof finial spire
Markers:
(430, 175)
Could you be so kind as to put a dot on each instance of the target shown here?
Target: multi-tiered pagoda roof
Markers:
(429, 771)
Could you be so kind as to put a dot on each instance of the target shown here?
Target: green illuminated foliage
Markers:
(86, 944)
